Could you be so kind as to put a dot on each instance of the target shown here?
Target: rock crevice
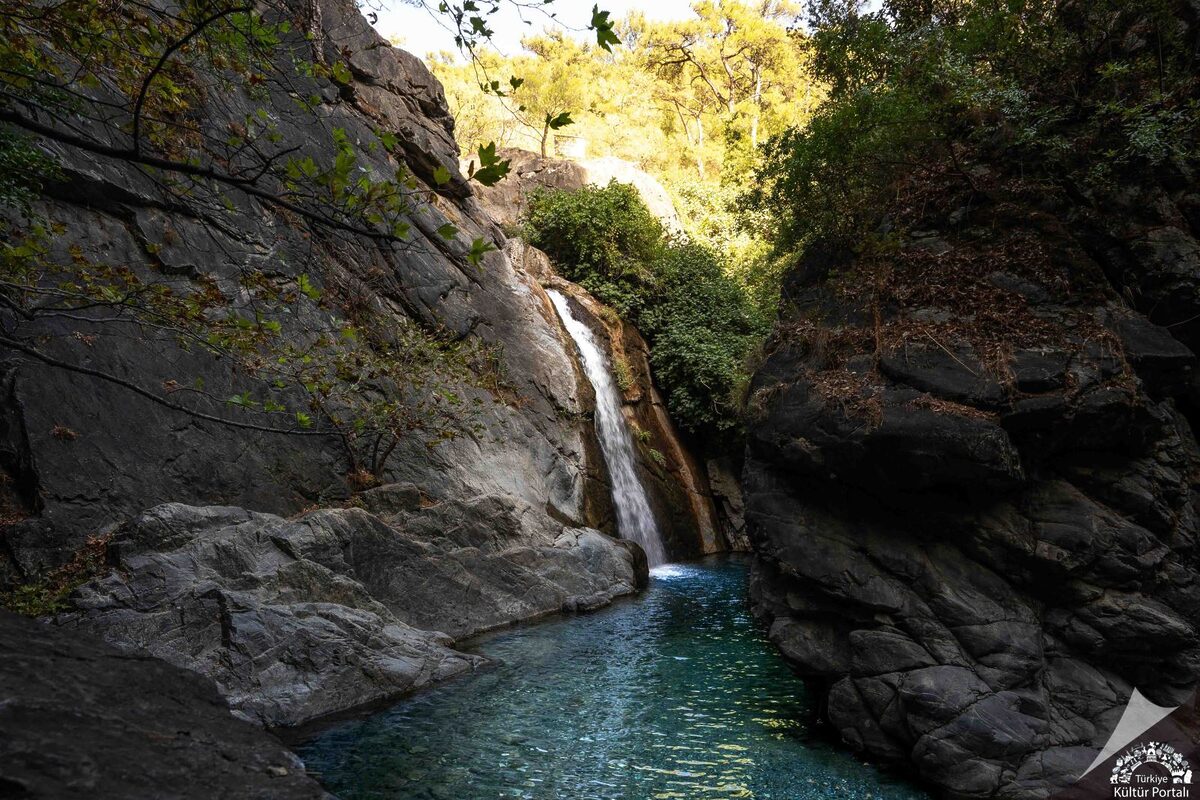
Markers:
(974, 512)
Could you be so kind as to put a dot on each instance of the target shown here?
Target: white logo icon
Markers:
(1159, 753)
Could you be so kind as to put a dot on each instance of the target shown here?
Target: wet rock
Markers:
(977, 559)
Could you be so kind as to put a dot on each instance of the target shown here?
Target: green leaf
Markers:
(441, 175)
(479, 248)
(310, 291)
(492, 168)
(303, 420)
(341, 72)
(560, 121)
(448, 231)
(603, 26)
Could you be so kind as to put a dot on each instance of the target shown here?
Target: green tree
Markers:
(1082, 96)
(552, 85)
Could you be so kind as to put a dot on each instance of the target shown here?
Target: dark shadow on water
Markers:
(675, 694)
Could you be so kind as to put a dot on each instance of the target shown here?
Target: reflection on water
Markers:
(674, 695)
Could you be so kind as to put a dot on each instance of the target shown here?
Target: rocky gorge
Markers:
(293, 585)
(969, 483)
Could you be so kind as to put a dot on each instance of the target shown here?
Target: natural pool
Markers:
(675, 694)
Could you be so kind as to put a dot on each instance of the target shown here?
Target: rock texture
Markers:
(128, 454)
(84, 720)
(971, 485)
(299, 619)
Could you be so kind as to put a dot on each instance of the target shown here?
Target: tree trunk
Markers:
(700, 147)
(545, 138)
(757, 107)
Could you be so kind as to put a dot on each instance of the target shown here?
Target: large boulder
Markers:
(339, 608)
(84, 720)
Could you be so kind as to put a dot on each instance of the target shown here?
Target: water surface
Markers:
(675, 694)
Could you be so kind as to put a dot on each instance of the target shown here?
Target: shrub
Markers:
(1085, 95)
(602, 238)
(699, 321)
(48, 594)
(701, 325)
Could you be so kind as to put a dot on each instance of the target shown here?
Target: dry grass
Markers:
(48, 595)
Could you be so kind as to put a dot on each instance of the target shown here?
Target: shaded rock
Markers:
(976, 559)
(82, 719)
(953, 376)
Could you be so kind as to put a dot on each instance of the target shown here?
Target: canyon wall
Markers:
(971, 480)
(262, 560)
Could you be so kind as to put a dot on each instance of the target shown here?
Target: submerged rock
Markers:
(81, 719)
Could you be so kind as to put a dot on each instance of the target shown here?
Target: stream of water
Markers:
(635, 520)
(674, 694)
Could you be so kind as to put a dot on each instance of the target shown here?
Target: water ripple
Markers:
(674, 695)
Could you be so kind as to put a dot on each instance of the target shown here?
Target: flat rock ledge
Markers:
(95, 722)
(298, 619)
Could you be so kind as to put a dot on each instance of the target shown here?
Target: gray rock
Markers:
(977, 563)
(299, 619)
(84, 720)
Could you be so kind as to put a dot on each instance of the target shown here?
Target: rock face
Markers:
(84, 720)
(298, 619)
(971, 488)
(528, 442)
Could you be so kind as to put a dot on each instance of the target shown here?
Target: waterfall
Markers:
(634, 518)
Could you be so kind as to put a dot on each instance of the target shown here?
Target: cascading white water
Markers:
(634, 518)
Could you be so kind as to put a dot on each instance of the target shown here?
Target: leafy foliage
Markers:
(700, 323)
(702, 328)
(48, 595)
(604, 239)
(685, 100)
(162, 90)
(1080, 95)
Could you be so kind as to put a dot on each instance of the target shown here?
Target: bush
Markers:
(701, 325)
(699, 321)
(602, 238)
(1085, 94)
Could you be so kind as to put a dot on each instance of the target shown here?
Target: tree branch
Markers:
(146, 393)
